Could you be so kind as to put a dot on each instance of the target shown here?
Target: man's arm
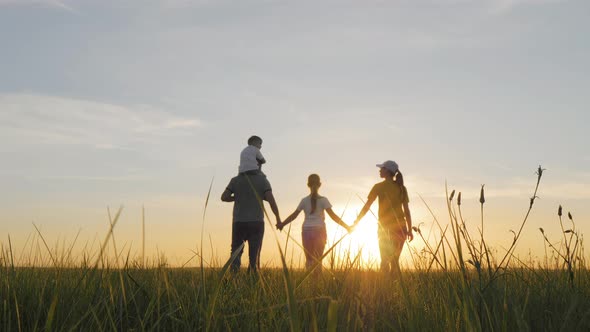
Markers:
(228, 196)
(268, 196)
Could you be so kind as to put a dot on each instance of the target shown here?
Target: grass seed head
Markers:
(540, 172)
(559, 211)
(452, 195)
(481, 195)
(459, 199)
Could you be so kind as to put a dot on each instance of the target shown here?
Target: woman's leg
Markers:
(398, 238)
(386, 249)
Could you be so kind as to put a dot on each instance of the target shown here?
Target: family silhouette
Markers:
(250, 188)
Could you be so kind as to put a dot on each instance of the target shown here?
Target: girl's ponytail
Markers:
(314, 201)
(313, 182)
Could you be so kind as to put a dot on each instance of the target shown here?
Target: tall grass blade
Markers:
(46, 246)
(108, 236)
(143, 236)
(202, 268)
(294, 321)
(113, 238)
(213, 301)
(333, 316)
(51, 314)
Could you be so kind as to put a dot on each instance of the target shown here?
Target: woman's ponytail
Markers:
(399, 178)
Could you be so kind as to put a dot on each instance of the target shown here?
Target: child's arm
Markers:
(289, 219)
(260, 158)
(337, 219)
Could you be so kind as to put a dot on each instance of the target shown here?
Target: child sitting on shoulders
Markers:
(251, 158)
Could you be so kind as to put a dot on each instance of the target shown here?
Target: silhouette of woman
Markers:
(395, 220)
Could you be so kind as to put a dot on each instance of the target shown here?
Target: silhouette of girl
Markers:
(314, 228)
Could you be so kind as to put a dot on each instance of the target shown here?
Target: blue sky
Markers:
(145, 102)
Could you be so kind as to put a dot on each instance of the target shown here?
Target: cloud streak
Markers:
(507, 5)
(42, 119)
(48, 3)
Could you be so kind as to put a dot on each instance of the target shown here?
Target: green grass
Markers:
(458, 284)
(166, 299)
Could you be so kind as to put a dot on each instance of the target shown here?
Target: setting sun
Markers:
(362, 241)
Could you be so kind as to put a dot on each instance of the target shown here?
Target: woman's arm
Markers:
(337, 219)
(408, 220)
(289, 219)
(364, 210)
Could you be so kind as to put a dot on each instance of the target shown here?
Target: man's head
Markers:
(255, 141)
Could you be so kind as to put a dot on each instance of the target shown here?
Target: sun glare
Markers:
(363, 241)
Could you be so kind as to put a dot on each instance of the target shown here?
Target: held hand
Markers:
(350, 229)
(410, 235)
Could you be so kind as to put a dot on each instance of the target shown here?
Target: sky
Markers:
(148, 103)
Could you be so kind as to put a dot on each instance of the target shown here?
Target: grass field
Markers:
(458, 284)
(165, 299)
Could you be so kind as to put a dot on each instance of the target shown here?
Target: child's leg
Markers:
(314, 243)
(307, 241)
(318, 248)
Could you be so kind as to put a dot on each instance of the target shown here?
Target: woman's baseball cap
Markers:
(390, 165)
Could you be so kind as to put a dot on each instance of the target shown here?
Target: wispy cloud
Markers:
(506, 5)
(576, 187)
(41, 119)
(94, 178)
(48, 3)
